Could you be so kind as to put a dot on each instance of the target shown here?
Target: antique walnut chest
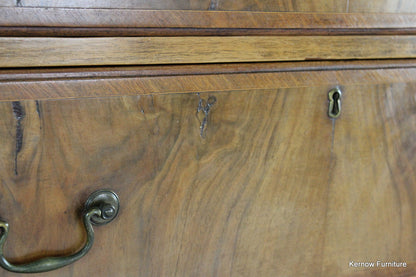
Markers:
(219, 137)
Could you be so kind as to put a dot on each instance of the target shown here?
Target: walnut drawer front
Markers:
(247, 177)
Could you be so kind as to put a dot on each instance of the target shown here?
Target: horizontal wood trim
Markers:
(108, 87)
(66, 73)
(146, 32)
(70, 17)
(37, 52)
(390, 6)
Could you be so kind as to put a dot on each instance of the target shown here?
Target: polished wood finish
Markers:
(147, 32)
(373, 179)
(49, 74)
(113, 94)
(271, 175)
(367, 6)
(37, 52)
(14, 90)
(124, 18)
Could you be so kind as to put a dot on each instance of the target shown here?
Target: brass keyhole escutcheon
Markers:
(334, 108)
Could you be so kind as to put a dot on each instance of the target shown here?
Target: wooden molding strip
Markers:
(79, 88)
(147, 32)
(70, 17)
(78, 73)
(42, 52)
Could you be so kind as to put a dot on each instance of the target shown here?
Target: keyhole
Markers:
(334, 108)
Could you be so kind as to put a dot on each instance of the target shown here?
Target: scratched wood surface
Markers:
(38, 52)
(270, 186)
(128, 18)
(240, 5)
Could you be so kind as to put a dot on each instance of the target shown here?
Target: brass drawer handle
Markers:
(101, 207)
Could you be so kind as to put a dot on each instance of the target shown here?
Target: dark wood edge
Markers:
(70, 73)
(122, 18)
(144, 32)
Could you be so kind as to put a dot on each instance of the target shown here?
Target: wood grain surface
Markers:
(126, 18)
(62, 86)
(114, 72)
(181, 32)
(38, 52)
(270, 186)
(373, 170)
(240, 5)
(346, 6)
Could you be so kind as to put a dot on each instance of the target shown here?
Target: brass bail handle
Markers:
(101, 207)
